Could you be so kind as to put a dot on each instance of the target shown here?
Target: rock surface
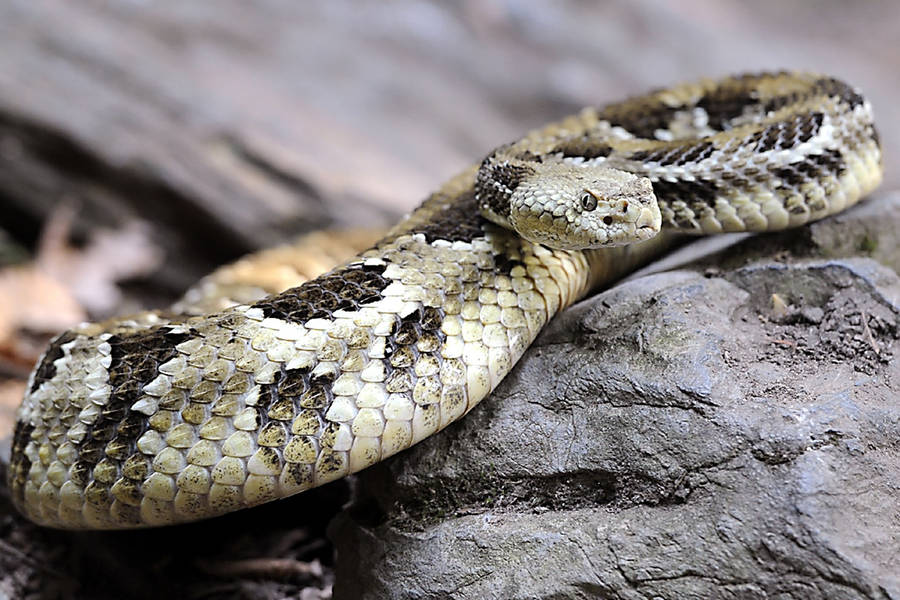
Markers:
(728, 430)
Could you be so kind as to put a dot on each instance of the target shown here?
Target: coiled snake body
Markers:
(162, 418)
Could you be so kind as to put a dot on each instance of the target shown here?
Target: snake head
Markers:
(575, 208)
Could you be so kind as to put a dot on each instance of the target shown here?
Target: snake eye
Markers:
(588, 201)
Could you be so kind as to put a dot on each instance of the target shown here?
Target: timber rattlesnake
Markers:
(161, 418)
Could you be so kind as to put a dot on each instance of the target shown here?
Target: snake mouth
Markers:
(646, 232)
(648, 223)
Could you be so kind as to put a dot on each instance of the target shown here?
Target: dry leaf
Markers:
(64, 285)
(91, 273)
(32, 302)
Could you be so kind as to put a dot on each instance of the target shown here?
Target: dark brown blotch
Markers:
(583, 147)
(80, 473)
(346, 288)
(787, 134)
(816, 166)
(432, 318)
(504, 264)
(134, 362)
(293, 383)
(47, 369)
(726, 103)
(640, 116)
(689, 192)
(119, 448)
(696, 153)
(407, 333)
(837, 88)
(19, 463)
(459, 220)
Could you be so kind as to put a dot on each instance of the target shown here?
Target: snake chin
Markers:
(649, 223)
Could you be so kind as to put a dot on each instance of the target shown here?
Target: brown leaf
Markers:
(64, 285)
(91, 273)
(32, 304)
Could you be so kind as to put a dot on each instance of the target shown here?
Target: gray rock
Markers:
(729, 430)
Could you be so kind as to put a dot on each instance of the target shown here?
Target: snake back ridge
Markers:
(166, 417)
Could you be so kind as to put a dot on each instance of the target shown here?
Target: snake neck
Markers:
(497, 179)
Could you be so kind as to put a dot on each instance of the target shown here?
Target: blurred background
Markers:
(144, 143)
(203, 130)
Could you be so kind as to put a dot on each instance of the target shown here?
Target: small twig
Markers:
(314, 546)
(7, 548)
(781, 342)
(867, 332)
(10, 549)
(288, 541)
(262, 567)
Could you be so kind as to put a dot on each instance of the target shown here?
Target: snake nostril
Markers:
(607, 220)
(625, 207)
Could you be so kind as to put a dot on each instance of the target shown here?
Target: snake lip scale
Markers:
(166, 417)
